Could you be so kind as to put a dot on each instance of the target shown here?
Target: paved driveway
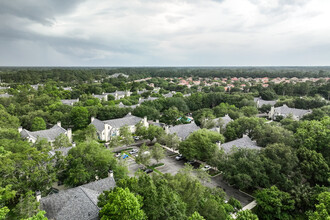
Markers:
(229, 190)
(171, 166)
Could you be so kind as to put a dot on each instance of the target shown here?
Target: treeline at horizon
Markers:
(81, 74)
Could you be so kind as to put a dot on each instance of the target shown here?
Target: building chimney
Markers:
(38, 196)
(157, 121)
(69, 134)
(130, 113)
(59, 124)
(110, 173)
(219, 144)
(92, 119)
(145, 121)
(166, 129)
(217, 128)
(20, 129)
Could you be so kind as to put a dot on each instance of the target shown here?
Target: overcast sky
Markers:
(164, 32)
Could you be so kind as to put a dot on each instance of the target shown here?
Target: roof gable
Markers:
(49, 134)
(285, 110)
(127, 120)
(244, 142)
(183, 130)
(77, 203)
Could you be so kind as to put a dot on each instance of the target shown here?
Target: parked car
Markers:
(148, 171)
(206, 167)
(191, 161)
(179, 157)
(133, 151)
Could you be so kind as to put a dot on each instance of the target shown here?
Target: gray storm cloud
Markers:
(170, 33)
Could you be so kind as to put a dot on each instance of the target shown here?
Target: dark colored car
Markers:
(148, 171)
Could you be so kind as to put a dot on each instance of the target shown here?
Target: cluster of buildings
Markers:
(81, 202)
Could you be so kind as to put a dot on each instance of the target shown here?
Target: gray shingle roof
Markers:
(49, 134)
(69, 101)
(127, 120)
(285, 110)
(116, 123)
(121, 105)
(36, 87)
(260, 102)
(168, 95)
(2, 88)
(6, 95)
(119, 93)
(64, 151)
(99, 125)
(67, 88)
(244, 142)
(148, 99)
(225, 120)
(103, 96)
(184, 130)
(78, 203)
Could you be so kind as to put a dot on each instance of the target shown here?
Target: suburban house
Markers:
(3, 88)
(142, 91)
(63, 150)
(169, 95)
(67, 88)
(119, 94)
(6, 95)
(183, 130)
(116, 75)
(244, 142)
(69, 101)
(121, 105)
(79, 203)
(103, 97)
(157, 123)
(284, 111)
(147, 99)
(109, 128)
(260, 102)
(49, 134)
(221, 123)
(36, 86)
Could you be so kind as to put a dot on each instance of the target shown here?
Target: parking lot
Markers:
(173, 166)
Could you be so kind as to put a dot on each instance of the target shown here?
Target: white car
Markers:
(179, 157)
(134, 151)
(206, 167)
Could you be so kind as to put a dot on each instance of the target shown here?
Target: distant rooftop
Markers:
(244, 142)
(184, 130)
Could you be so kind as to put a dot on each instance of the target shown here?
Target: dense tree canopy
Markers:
(201, 145)
(291, 168)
